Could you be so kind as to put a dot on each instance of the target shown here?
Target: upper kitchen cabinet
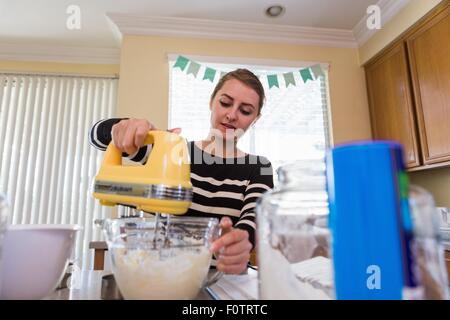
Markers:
(429, 55)
(408, 87)
(391, 108)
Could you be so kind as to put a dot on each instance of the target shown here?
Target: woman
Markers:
(226, 181)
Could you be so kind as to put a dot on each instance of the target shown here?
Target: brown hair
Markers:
(246, 77)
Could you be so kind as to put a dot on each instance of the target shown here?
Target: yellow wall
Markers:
(437, 181)
(143, 89)
(411, 13)
(54, 67)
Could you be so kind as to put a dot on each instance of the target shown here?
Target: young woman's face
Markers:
(233, 109)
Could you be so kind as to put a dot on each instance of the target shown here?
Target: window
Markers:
(46, 162)
(294, 122)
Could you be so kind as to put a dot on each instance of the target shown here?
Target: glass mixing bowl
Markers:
(159, 258)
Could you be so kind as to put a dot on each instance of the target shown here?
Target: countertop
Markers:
(87, 285)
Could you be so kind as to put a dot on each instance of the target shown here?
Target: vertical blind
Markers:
(47, 165)
(294, 120)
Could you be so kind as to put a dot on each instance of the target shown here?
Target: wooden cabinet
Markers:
(390, 102)
(429, 55)
(408, 87)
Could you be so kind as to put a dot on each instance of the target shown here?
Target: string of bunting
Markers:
(192, 67)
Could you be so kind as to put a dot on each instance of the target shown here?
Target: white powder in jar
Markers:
(281, 280)
(178, 274)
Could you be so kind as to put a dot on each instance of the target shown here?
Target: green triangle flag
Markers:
(222, 73)
(209, 74)
(193, 68)
(306, 74)
(289, 79)
(181, 63)
(272, 79)
(317, 71)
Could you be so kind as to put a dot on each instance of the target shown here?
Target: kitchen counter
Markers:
(88, 285)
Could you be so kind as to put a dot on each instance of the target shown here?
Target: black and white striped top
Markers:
(221, 186)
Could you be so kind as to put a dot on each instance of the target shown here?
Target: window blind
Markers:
(47, 165)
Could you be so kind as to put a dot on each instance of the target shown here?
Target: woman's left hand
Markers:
(232, 249)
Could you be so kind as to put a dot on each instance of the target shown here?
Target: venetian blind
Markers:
(47, 164)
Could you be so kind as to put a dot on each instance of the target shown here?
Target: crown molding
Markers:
(115, 31)
(389, 8)
(58, 53)
(138, 24)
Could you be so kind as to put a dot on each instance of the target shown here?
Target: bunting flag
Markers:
(210, 73)
(181, 63)
(272, 79)
(193, 68)
(317, 71)
(289, 79)
(305, 74)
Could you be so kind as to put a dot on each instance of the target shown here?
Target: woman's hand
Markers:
(129, 135)
(232, 249)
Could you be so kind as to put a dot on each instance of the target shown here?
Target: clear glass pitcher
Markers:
(293, 236)
(159, 258)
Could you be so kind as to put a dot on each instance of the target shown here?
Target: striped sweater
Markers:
(221, 186)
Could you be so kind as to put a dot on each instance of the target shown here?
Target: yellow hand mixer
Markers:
(162, 185)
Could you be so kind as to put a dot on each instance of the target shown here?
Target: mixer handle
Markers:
(113, 156)
(150, 138)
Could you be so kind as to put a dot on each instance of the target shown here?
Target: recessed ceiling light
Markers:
(274, 11)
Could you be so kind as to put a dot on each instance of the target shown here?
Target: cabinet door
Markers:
(429, 53)
(390, 101)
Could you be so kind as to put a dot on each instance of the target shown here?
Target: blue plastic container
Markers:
(369, 220)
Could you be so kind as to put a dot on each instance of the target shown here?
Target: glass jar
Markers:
(293, 236)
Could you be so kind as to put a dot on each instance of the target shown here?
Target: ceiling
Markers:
(44, 22)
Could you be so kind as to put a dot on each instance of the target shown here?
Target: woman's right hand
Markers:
(128, 135)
